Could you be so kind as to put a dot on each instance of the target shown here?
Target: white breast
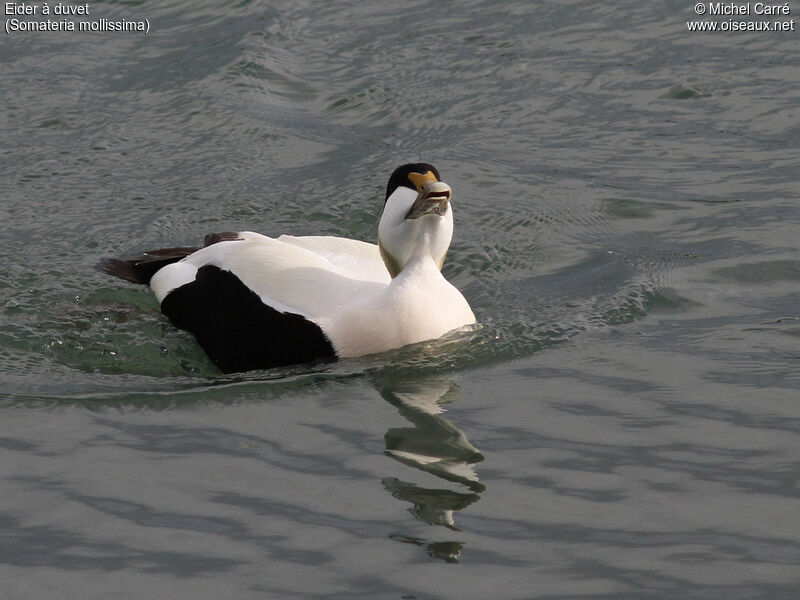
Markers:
(419, 304)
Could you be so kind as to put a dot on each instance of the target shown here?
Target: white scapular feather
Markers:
(286, 274)
(361, 260)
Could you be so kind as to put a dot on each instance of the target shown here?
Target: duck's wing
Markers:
(309, 276)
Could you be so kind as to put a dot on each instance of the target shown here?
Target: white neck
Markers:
(404, 240)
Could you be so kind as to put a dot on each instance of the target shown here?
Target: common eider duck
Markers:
(255, 302)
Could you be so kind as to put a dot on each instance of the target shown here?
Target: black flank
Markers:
(237, 330)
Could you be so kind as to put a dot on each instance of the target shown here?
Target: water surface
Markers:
(624, 423)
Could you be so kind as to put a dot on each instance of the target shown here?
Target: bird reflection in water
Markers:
(438, 447)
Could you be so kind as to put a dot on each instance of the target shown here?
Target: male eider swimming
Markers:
(255, 302)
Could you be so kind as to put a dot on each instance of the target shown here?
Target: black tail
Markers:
(141, 269)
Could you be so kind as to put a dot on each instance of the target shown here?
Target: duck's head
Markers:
(417, 220)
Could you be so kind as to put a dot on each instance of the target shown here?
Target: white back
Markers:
(288, 275)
